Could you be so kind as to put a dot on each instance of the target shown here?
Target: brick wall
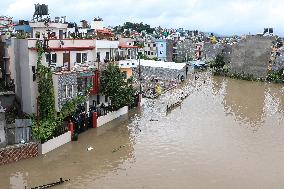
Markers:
(18, 152)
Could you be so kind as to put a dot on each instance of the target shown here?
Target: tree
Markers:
(219, 62)
(115, 87)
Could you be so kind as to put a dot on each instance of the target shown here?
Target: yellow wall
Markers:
(128, 71)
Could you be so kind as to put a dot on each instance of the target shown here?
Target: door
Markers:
(60, 34)
(66, 60)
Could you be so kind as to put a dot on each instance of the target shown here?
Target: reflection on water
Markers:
(73, 161)
(245, 101)
(207, 142)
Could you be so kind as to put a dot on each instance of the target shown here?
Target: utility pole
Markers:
(140, 80)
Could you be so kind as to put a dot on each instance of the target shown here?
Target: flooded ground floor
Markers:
(226, 134)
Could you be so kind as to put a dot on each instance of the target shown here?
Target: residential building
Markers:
(127, 49)
(71, 59)
(150, 49)
(6, 24)
(106, 50)
(164, 50)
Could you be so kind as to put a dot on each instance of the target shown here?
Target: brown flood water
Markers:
(226, 134)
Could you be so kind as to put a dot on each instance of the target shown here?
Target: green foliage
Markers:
(43, 130)
(218, 63)
(115, 87)
(46, 98)
(139, 27)
(145, 57)
(275, 77)
(21, 35)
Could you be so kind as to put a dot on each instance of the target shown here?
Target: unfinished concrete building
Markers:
(252, 55)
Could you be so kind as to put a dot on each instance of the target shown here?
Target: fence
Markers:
(60, 130)
(20, 132)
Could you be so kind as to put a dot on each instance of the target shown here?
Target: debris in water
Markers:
(117, 149)
(61, 181)
(154, 120)
(90, 148)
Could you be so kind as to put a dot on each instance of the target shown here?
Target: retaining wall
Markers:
(112, 115)
(55, 143)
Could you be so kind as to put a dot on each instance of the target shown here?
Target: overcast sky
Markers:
(219, 16)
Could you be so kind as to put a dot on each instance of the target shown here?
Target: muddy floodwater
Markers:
(227, 134)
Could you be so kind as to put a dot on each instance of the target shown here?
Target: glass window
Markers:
(54, 58)
(84, 57)
(51, 58)
(78, 57)
(47, 57)
(64, 89)
(107, 55)
(69, 92)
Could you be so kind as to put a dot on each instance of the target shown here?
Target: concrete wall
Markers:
(54, 143)
(112, 115)
(252, 55)
(7, 99)
(2, 131)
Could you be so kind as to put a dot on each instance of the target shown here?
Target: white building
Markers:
(66, 56)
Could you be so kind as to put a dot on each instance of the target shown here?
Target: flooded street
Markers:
(226, 134)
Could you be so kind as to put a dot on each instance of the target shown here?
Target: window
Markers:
(64, 91)
(37, 34)
(69, 91)
(98, 56)
(149, 45)
(154, 45)
(129, 44)
(149, 52)
(161, 52)
(51, 58)
(124, 73)
(107, 55)
(81, 57)
(145, 52)
(152, 53)
(98, 99)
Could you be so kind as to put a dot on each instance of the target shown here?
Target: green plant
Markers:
(218, 63)
(276, 77)
(46, 98)
(115, 87)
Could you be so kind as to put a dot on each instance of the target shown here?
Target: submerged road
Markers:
(226, 134)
